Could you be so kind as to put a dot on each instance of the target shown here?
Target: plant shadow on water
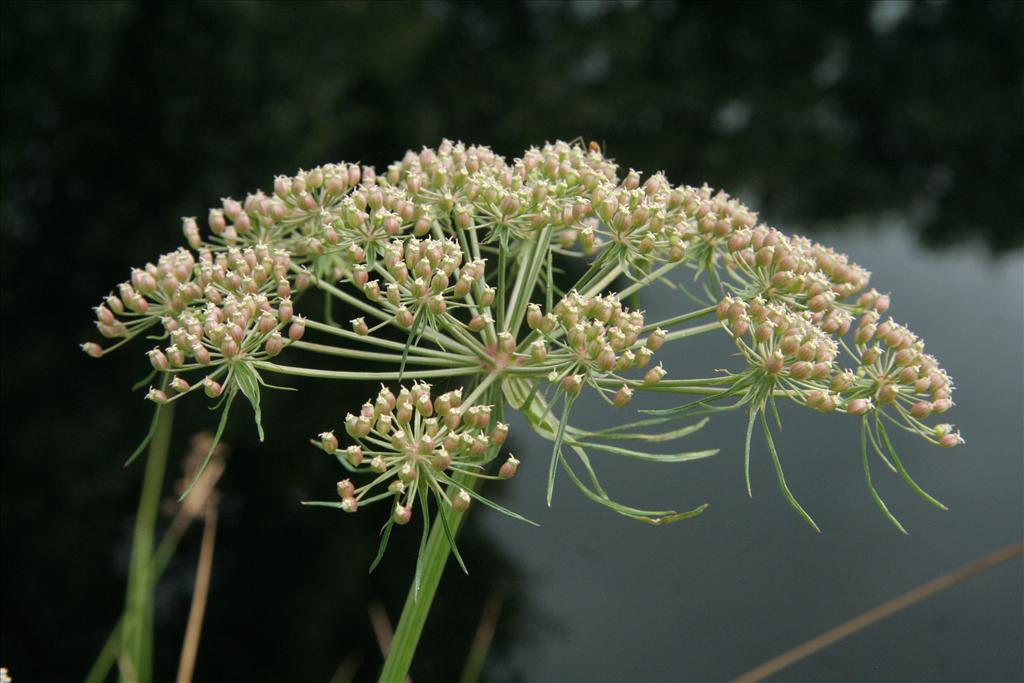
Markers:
(871, 125)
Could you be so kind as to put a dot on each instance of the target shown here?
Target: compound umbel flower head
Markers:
(455, 262)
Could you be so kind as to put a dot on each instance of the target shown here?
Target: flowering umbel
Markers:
(453, 260)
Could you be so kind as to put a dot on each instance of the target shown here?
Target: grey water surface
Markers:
(709, 598)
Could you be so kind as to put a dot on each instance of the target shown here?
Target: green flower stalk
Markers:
(454, 261)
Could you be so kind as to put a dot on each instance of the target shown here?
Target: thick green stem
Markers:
(691, 331)
(640, 284)
(669, 322)
(137, 627)
(417, 606)
(396, 358)
(367, 376)
(168, 544)
(435, 556)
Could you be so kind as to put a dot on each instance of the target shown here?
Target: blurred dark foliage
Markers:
(118, 118)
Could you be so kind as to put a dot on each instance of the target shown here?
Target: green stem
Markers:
(453, 359)
(691, 331)
(669, 322)
(594, 270)
(376, 341)
(417, 606)
(640, 284)
(164, 552)
(435, 556)
(137, 626)
(532, 270)
(367, 376)
(608, 278)
(500, 297)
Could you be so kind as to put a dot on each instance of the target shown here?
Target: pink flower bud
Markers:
(479, 446)
(905, 356)
(211, 388)
(437, 305)
(440, 459)
(93, 349)
(572, 384)
(217, 222)
(858, 406)
(297, 329)
(842, 382)
(800, 370)
(887, 393)
(236, 332)
(285, 310)
(158, 359)
(360, 276)
(329, 443)
(870, 355)
(500, 433)
(654, 375)
(921, 410)
(738, 241)
(461, 500)
(351, 424)
(229, 347)
(267, 323)
(359, 327)
(908, 375)
(623, 396)
(315, 178)
(508, 468)
(402, 514)
(404, 317)
(864, 334)
(179, 384)
(763, 332)
(821, 370)
(104, 315)
(538, 351)
(951, 440)
(349, 504)
(656, 339)
(774, 364)
(789, 344)
(243, 223)
(534, 316)
(115, 304)
(942, 405)
(346, 489)
(354, 454)
(424, 406)
(156, 395)
(274, 344)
